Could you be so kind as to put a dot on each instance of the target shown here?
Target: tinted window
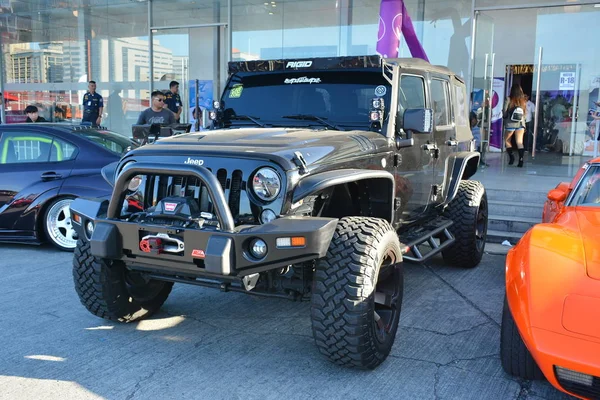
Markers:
(588, 191)
(439, 99)
(29, 147)
(111, 141)
(460, 114)
(343, 97)
(412, 92)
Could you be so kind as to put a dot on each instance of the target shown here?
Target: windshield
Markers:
(325, 99)
(111, 141)
(588, 191)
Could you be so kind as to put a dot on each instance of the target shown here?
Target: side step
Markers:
(434, 235)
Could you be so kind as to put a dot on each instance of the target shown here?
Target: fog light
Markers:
(89, 228)
(574, 376)
(258, 248)
(267, 216)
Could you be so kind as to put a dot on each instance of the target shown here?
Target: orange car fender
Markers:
(540, 271)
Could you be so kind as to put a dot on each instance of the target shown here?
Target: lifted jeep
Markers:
(319, 178)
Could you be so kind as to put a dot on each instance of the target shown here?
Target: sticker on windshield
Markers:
(236, 91)
(303, 79)
(380, 91)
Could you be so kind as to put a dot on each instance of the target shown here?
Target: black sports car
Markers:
(43, 167)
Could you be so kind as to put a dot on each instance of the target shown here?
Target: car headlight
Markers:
(134, 183)
(266, 184)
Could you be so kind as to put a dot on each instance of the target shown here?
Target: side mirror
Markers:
(108, 173)
(418, 120)
(557, 195)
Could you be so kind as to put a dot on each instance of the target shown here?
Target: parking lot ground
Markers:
(205, 344)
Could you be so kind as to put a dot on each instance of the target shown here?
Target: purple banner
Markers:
(394, 21)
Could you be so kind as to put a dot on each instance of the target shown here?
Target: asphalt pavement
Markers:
(205, 344)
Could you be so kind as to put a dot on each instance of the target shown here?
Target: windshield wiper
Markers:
(247, 118)
(308, 117)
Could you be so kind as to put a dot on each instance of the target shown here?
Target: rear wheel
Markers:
(469, 212)
(108, 290)
(516, 358)
(58, 226)
(357, 293)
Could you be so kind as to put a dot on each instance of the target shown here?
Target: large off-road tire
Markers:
(357, 293)
(469, 212)
(109, 291)
(516, 359)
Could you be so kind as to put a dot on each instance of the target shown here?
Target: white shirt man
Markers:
(530, 110)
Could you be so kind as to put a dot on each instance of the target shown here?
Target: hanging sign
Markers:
(567, 81)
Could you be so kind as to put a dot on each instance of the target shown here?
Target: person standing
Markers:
(93, 105)
(173, 100)
(515, 111)
(529, 122)
(157, 114)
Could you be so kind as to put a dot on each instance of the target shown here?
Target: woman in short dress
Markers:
(515, 127)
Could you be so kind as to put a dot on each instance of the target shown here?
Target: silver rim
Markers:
(59, 226)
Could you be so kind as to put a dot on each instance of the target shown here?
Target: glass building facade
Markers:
(51, 48)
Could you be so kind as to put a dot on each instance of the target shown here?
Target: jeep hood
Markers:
(316, 146)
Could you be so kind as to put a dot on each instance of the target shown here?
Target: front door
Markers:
(415, 165)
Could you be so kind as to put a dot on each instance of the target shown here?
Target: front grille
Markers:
(159, 187)
(578, 383)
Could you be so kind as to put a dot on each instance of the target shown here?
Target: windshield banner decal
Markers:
(303, 79)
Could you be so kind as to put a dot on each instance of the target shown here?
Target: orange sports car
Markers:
(551, 316)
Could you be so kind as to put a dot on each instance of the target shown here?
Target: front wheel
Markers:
(108, 290)
(469, 212)
(357, 293)
(516, 358)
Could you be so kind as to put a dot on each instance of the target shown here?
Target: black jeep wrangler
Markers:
(320, 177)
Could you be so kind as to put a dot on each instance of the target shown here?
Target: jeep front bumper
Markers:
(206, 252)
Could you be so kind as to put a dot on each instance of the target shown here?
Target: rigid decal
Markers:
(299, 64)
(303, 79)
(380, 91)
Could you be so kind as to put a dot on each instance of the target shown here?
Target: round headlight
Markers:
(266, 184)
(258, 248)
(134, 183)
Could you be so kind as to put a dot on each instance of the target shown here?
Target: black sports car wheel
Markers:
(58, 226)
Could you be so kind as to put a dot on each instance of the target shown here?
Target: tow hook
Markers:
(161, 243)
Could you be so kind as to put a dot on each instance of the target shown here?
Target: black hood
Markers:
(316, 146)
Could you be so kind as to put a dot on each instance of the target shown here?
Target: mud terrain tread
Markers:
(344, 281)
(462, 210)
(101, 288)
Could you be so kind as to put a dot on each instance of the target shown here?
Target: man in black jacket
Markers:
(32, 114)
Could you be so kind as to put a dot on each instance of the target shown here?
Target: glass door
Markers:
(483, 101)
(193, 57)
(567, 81)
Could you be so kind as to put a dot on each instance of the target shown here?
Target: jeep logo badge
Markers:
(194, 162)
(298, 64)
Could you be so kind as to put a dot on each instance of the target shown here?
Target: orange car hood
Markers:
(588, 219)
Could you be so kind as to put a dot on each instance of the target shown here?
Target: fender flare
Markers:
(320, 181)
(459, 166)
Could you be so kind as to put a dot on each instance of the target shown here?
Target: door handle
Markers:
(50, 176)
(452, 142)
